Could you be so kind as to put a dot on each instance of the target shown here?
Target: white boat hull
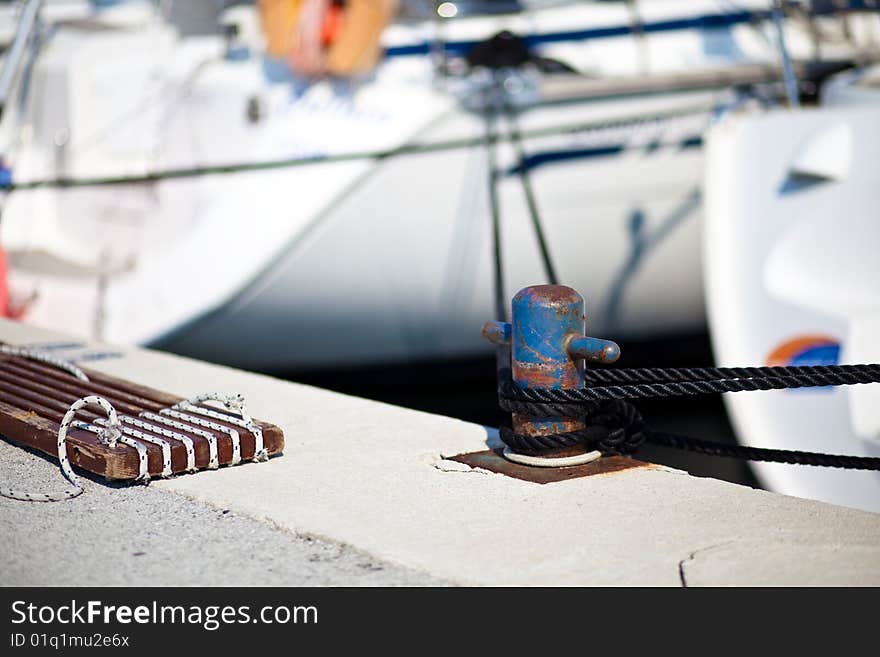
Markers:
(357, 260)
(792, 278)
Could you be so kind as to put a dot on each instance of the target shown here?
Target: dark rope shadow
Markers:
(641, 246)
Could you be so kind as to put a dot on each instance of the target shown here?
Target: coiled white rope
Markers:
(107, 435)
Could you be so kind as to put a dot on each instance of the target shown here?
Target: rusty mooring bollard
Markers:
(548, 350)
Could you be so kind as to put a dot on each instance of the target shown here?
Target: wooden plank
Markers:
(34, 397)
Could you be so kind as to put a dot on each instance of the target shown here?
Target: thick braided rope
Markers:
(108, 435)
(803, 378)
(613, 428)
(764, 454)
(616, 427)
(624, 440)
(668, 374)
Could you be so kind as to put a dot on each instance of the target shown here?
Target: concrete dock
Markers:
(365, 494)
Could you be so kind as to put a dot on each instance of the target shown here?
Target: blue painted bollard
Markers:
(549, 346)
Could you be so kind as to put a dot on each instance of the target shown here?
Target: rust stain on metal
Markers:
(551, 425)
(552, 375)
(493, 461)
(554, 294)
(537, 376)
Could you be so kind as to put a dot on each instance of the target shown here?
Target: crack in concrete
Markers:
(693, 554)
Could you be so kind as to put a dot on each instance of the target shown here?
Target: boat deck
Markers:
(367, 493)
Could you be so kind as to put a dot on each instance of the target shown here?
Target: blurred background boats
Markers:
(277, 222)
(168, 181)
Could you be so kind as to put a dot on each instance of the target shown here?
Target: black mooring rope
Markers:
(659, 375)
(615, 426)
(703, 381)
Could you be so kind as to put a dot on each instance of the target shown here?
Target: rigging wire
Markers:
(633, 121)
(522, 171)
(490, 141)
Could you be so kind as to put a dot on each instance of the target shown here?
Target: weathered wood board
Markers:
(34, 397)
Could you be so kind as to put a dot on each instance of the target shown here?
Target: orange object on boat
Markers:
(331, 28)
(5, 310)
(278, 20)
(358, 47)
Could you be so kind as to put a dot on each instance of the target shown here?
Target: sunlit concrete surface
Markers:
(373, 477)
(144, 536)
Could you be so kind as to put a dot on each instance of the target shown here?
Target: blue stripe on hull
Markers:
(706, 21)
(542, 158)
(702, 22)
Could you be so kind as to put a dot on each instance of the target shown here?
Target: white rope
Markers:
(163, 444)
(112, 430)
(549, 462)
(162, 431)
(235, 403)
(39, 356)
(213, 460)
(192, 419)
(143, 467)
(107, 435)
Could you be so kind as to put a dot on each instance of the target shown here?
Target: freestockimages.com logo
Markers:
(210, 617)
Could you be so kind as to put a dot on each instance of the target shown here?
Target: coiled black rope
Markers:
(615, 426)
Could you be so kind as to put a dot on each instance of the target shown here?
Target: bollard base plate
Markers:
(494, 461)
